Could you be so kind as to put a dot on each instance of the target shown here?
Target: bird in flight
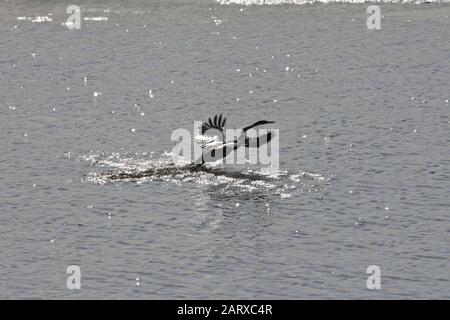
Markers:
(215, 148)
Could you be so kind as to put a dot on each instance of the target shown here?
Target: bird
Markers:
(214, 148)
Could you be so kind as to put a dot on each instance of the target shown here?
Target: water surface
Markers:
(364, 134)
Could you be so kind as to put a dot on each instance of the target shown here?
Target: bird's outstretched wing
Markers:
(217, 123)
(208, 142)
(213, 148)
(259, 141)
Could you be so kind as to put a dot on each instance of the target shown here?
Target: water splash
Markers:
(222, 181)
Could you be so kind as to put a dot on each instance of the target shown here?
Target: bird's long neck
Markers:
(240, 140)
(250, 126)
(223, 136)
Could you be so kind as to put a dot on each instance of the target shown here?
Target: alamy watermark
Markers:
(230, 146)
(74, 20)
(74, 280)
(374, 280)
(374, 20)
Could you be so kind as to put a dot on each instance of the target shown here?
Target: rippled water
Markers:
(364, 150)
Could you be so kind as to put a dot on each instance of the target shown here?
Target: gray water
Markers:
(364, 150)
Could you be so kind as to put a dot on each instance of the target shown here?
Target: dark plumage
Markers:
(218, 123)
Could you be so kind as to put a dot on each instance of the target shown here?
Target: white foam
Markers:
(41, 19)
(96, 19)
(38, 19)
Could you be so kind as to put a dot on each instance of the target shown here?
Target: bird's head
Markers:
(258, 123)
(261, 122)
